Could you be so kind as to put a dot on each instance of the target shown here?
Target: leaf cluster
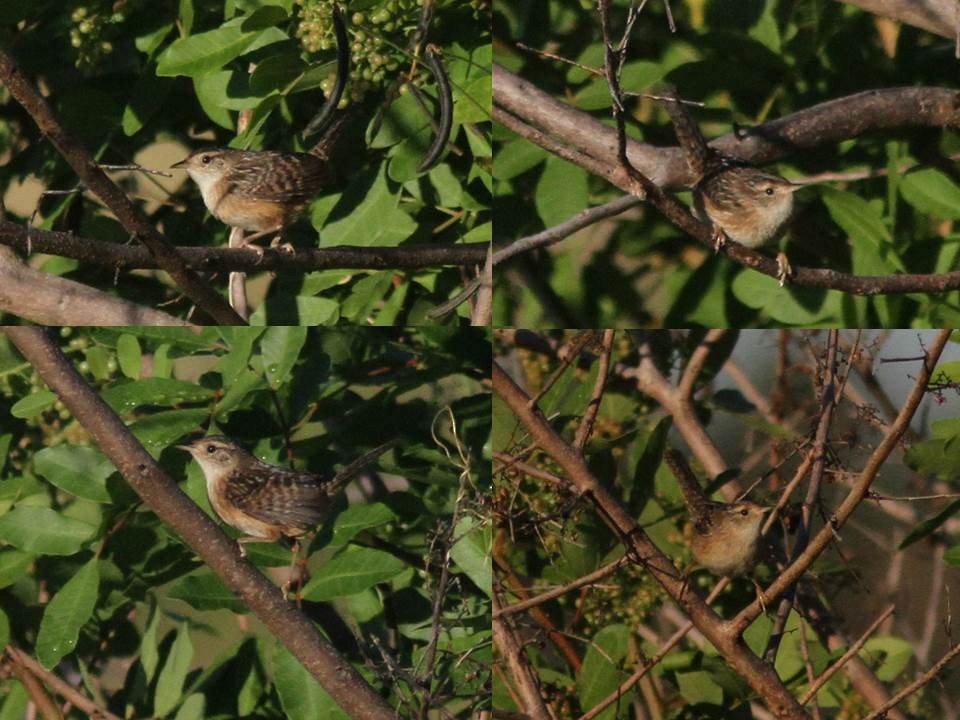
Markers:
(90, 578)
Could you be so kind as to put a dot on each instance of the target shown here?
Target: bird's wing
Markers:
(280, 496)
(281, 177)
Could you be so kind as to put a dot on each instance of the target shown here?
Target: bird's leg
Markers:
(244, 540)
(756, 586)
(294, 552)
(719, 238)
(286, 247)
(784, 271)
(236, 282)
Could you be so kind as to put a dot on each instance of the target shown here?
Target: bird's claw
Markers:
(784, 270)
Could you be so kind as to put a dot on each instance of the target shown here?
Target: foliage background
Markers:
(749, 61)
(151, 81)
(105, 595)
(549, 536)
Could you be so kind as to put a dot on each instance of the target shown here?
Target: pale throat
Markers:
(767, 224)
(211, 189)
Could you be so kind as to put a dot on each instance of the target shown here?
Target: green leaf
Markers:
(561, 191)
(280, 347)
(148, 97)
(275, 73)
(896, 652)
(66, 613)
(162, 428)
(637, 76)
(129, 356)
(4, 631)
(206, 591)
(807, 307)
(352, 571)
(472, 552)
(517, 157)
(199, 54)
(126, 396)
(600, 673)
(192, 708)
(13, 565)
(5, 441)
(862, 222)
(33, 404)
(368, 214)
(42, 531)
(931, 192)
(930, 524)
(174, 673)
(301, 696)
(699, 687)
(356, 518)
(78, 469)
(305, 310)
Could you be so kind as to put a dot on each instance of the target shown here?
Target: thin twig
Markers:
(916, 684)
(851, 651)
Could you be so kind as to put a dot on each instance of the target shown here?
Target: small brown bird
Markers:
(742, 203)
(267, 502)
(725, 535)
(261, 191)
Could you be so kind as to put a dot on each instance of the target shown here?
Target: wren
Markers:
(268, 502)
(742, 203)
(726, 536)
(260, 191)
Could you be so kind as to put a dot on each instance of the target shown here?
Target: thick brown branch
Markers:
(584, 141)
(129, 215)
(50, 300)
(162, 495)
(825, 123)
(247, 259)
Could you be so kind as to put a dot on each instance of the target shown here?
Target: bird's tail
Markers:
(325, 146)
(688, 133)
(354, 468)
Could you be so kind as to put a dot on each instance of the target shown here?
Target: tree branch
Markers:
(162, 495)
(761, 676)
(129, 215)
(586, 142)
(49, 300)
(248, 259)
(857, 492)
(821, 124)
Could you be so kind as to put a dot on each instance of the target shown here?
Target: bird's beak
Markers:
(188, 448)
(180, 164)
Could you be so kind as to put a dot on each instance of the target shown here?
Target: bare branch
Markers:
(49, 300)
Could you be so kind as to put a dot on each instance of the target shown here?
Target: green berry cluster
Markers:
(94, 22)
(375, 38)
(55, 421)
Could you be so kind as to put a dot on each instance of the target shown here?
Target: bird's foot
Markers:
(719, 238)
(784, 270)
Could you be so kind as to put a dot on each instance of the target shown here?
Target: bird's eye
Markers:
(744, 512)
(205, 159)
(211, 449)
(769, 191)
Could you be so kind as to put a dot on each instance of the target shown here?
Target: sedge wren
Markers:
(268, 502)
(261, 191)
(725, 535)
(739, 201)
